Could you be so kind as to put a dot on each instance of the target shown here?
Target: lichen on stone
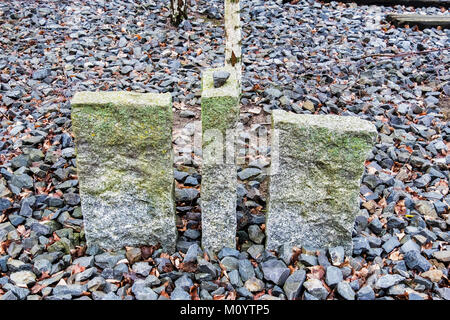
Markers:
(313, 198)
(220, 113)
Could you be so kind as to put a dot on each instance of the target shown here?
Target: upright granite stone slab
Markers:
(220, 113)
(124, 160)
(317, 165)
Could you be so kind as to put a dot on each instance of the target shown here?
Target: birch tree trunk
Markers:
(233, 36)
(179, 11)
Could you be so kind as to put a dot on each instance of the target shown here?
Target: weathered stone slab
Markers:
(220, 113)
(124, 161)
(317, 164)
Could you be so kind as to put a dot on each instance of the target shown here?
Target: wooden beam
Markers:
(413, 3)
(422, 21)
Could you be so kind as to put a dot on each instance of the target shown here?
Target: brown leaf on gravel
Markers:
(370, 205)
(221, 266)
(168, 268)
(130, 293)
(400, 207)
(256, 210)
(5, 245)
(400, 235)
(165, 255)
(382, 203)
(129, 277)
(428, 245)
(412, 192)
(292, 269)
(254, 263)
(164, 294)
(21, 229)
(79, 251)
(36, 288)
(231, 295)
(44, 275)
(77, 269)
(182, 227)
(47, 144)
(40, 190)
(407, 148)
(205, 256)
(58, 194)
(395, 256)
(297, 252)
(153, 272)
(362, 273)
(257, 87)
(193, 292)
(147, 251)
(317, 272)
(259, 295)
(188, 267)
(55, 237)
(403, 296)
(332, 292)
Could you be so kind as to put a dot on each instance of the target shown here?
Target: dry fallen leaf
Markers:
(317, 272)
(36, 288)
(395, 256)
(77, 269)
(259, 295)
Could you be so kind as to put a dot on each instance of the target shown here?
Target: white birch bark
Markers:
(233, 37)
(179, 11)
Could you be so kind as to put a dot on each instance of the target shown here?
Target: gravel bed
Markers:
(307, 58)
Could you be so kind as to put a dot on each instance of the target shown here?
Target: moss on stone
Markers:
(229, 89)
(219, 113)
(118, 128)
(316, 188)
(112, 125)
(122, 98)
(62, 245)
(220, 106)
